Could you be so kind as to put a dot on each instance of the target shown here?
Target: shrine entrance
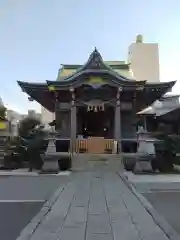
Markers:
(94, 123)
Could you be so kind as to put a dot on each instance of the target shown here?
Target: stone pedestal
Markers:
(146, 152)
(50, 158)
(142, 166)
(50, 164)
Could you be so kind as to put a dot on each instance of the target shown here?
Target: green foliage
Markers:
(27, 125)
(175, 143)
(35, 145)
(27, 147)
(3, 112)
(166, 149)
(14, 153)
(65, 163)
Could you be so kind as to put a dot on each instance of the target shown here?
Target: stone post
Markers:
(73, 122)
(117, 127)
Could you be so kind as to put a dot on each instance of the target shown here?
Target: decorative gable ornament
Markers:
(95, 61)
(96, 82)
(51, 88)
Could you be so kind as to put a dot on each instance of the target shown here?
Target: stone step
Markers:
(88, 162)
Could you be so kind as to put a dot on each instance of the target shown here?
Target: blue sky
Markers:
(36, 36)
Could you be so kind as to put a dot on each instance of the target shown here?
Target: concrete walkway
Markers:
(95, 206)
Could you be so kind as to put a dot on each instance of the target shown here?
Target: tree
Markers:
(2, 112)
(27, 125)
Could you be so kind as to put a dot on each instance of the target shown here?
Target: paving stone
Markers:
(97, 206)
(76, 216)
(70, 233)
(41, 235)
(51, 223)
(98, 223)
(126, 231)
(144, 221)
(81, 198)
(99, 237)
(119, 215)
(97, 203)
(151, 232)
(61, 206)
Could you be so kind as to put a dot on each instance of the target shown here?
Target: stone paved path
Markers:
(97, 206)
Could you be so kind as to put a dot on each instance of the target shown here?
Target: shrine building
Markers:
(96, 101)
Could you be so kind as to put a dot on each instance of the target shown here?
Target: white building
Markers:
(144, 60)
(14, 118)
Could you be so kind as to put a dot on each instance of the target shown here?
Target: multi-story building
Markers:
(144, 60)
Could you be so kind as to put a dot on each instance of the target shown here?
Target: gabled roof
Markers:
(95, 62)
(112, 64)
(95, 65)
(120, 67)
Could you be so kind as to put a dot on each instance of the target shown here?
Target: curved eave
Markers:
(113, 66)
(25, 85)
(116, 79)
(149, 111)
(171, 115)
(98, 71)
(167, 85)
(38, 92)
(154, 91)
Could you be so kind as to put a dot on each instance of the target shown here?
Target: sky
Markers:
(36, 36)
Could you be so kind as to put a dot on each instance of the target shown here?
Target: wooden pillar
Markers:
(117, 126)
(73, 121)
(56, 107)
(134, 109)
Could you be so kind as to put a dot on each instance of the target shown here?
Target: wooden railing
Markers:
(96, 145)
